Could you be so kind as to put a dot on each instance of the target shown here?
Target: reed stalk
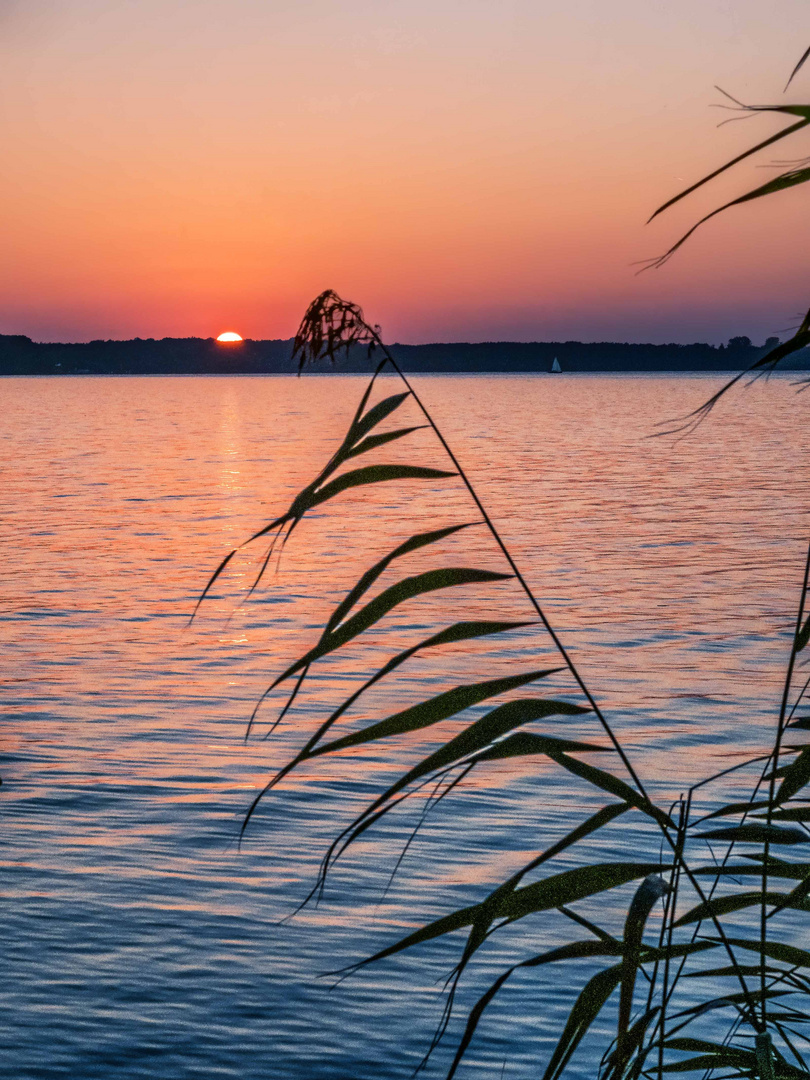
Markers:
(659, 1030)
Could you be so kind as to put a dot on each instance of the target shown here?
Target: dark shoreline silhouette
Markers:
(20, 355)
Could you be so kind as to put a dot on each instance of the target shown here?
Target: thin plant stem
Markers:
(513, 566)
(568, 661)
(763, 925)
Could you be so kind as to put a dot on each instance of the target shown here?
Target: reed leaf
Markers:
(607, 782)
(453, 754)
(714, 1055)
(797, 775)
(579, 950)
(571, 885)
(406, 589)
(552, 892)
(647, 894)
(728, 970)
(615, 1064)
(481, 733)
(526, 743)
(775, 868)
(757, 834)
(413, 543)
(776, 950)
(798, 67)
(368, 474)
(795, 897)
(802, 637)
(725, 905)
(434, 710)
(791, 813)
(803, 112)
(374, 441)
(726, 1001)
(786, 180)
(369, 420)
(732, 809)
(490, 907)
(313, 496)
(592, 999)
(462, 631)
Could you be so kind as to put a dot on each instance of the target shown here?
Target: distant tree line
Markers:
(20, 355)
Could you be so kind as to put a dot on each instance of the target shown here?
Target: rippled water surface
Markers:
(138, 940)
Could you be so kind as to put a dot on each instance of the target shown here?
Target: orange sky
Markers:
(469, 170)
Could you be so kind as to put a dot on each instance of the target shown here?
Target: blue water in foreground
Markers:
(139, 940)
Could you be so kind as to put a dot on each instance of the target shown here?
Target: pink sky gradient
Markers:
(465, 171)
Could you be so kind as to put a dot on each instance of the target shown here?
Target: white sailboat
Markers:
(556, 365)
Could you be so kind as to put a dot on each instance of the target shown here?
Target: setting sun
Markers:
(229, 335)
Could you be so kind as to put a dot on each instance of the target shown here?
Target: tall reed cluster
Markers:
(730, 882)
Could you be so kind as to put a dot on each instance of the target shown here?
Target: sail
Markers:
(556, 365)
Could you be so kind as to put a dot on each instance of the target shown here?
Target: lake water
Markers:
(138, 940)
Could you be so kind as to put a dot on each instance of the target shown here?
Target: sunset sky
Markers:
(464, 169)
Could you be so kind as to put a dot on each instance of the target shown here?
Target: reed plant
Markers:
(798, 173)
(717, 985)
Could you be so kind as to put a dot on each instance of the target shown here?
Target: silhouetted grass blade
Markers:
(763, 366)
(384, 603)
(462, 631)
(775, 868)
(724, 905)
(797, 775)
(634, 1039)
(369, 474)
(592, 999)
(211, 581)
(571, 885)
(578, 950)
(433, 711)
(732, 809)
(489, 908)
(740, 157)
(724, 972)
(713, 1056)
(607, 782)
(419, 716)
(453, 753)
(803, 637)
(480, 734)
(413, 543)
(757, 834)
(780, 867)
(552, 892)
(525, 743)
(792, 813)
(776, 950)
(362, 423)
(796, 897)
(798, 67)
(373, 441)
(375, 415)
(586, 828)
(647, 894)
(780, 183)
